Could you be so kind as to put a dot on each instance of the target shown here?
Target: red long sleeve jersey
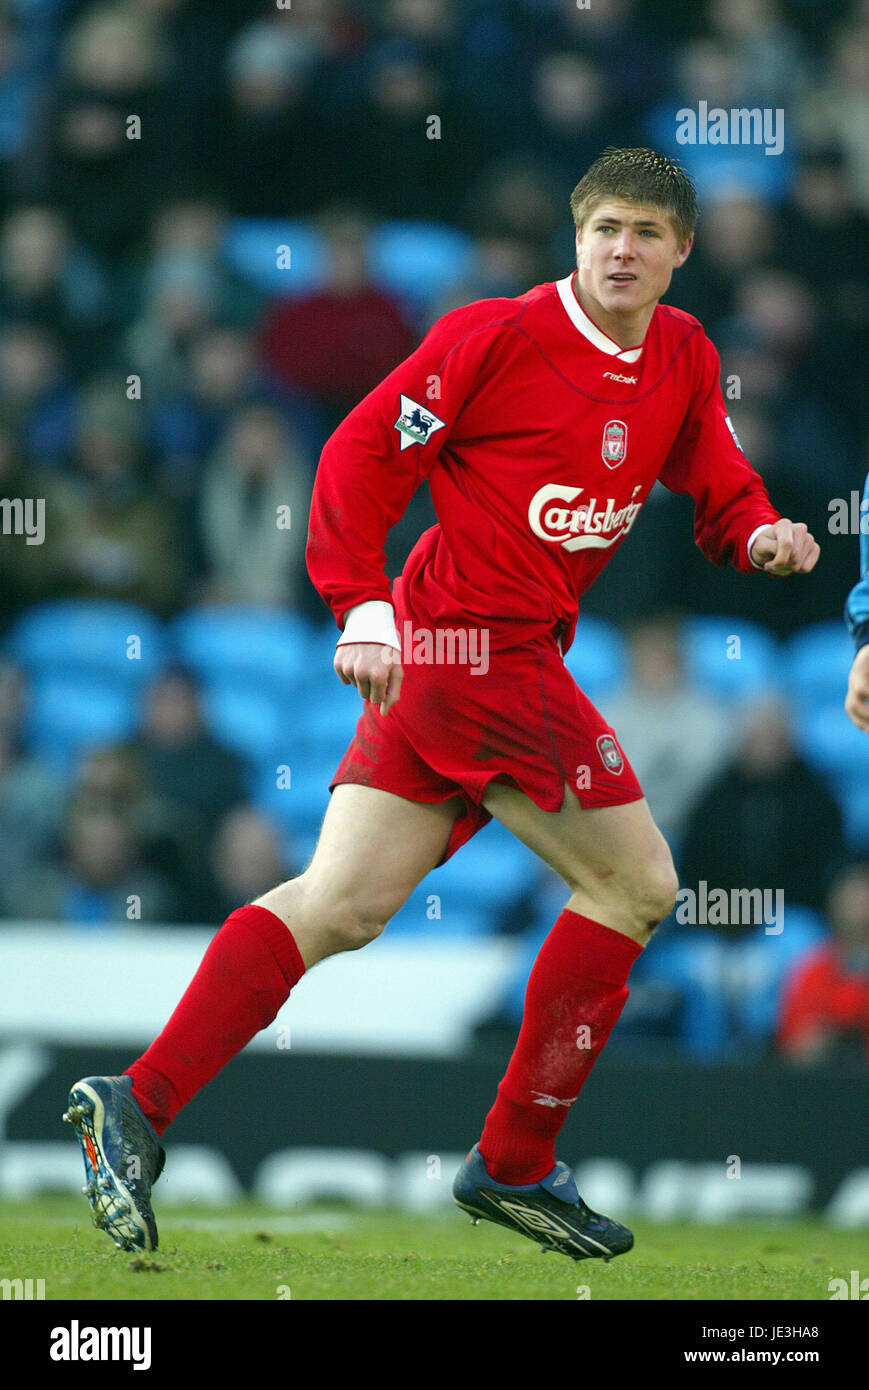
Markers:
(541, 439)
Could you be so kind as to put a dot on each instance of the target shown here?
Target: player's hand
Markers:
(374, 669)
(785, 547)
(856, 707)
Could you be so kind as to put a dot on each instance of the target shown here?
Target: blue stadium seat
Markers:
(251, 248)
(424, 914)
(71, 713)
(91, 637)
(597, 658)
(730, 657)
(775, 957)
(695, 965)
(856, 809)
(816, 665)
(420, 260)
(491, 871)
(299, 806)
(512, 1002)
(263, 647)
(247, 719)
(828, 740)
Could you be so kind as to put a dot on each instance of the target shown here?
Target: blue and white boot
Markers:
(550, 1211)
(123, 1158)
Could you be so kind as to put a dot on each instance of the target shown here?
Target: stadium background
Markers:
(188, 306)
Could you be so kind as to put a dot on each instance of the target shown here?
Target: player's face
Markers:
(626, 254)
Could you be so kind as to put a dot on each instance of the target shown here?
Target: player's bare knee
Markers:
(341, 920)
(655, 892)
(353, 926)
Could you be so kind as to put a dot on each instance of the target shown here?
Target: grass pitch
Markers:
(248, 1252)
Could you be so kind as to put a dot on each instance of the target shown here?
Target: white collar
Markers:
(579, 318)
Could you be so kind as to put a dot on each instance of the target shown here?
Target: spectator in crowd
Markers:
(185, 765)
(36, 395)
(504, 265)
(473, 47)
(337, 342)
(739, 234)
(47, 281)
(623, 45)
(30, 792)
(767, 820)
(422, 142)
(835, 111)
(574, 115)
(825, 237)
(102, 172)
(270, 124)
(110, 535)
(768, 54)
(514, 196)
(193, 231)
(98, 878)
(825, 1008)
(824, 241)
(708, 71)
(185, 424)
(247, 859)
(172, 839)
(181, 301)
(253, 513)
(24, 75)
(760, 845)
(674, 734)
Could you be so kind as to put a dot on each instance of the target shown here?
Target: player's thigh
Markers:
(382, 840)
(373, 850)
(611, 854)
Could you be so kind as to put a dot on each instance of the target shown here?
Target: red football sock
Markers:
(246, 975)
(576, 991)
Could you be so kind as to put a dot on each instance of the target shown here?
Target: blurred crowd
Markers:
(167, 394)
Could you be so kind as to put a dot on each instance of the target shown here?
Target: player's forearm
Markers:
(351, 512)
(726, 533)
(345, 579)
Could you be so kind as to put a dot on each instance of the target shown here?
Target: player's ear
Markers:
(683, 252)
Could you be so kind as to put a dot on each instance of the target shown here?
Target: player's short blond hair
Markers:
(639, 176)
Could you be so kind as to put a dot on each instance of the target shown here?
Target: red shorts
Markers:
(524, 721)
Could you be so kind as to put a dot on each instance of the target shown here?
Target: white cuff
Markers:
(755, 533)
(373, 621)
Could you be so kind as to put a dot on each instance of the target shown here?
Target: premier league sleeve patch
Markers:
(415, 424)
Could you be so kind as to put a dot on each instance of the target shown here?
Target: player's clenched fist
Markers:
(375, 670)
(785, 547)
(856, 707)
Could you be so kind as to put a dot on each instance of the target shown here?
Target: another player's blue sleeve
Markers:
(857, 604)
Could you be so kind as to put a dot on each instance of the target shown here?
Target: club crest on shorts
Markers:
(610, 753)
(415, 424)
(614, 444)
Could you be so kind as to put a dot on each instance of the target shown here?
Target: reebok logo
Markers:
(552, 1101)
(616, 376)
